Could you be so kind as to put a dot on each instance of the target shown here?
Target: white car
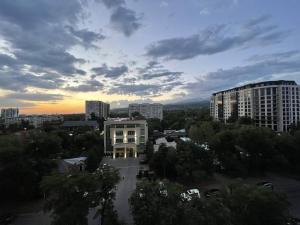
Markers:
(185, 197)
(194, 192)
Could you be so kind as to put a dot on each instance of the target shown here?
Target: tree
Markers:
(154, 124)
(93, 159)
(107, 179)
(155, 203)
(69, 196)
(258, 144)
(163, 162)
(193, 162)
(21, 170)
(137, 116)
(160, 203)
(255, 206)
(202, 132)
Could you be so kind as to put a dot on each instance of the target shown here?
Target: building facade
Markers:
(10, 116)
(273, 104)
(100, 109)
(9, 113)
(39, 120)
(125, 137)
(149, 111)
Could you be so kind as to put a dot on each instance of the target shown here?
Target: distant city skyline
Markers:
(56, 54)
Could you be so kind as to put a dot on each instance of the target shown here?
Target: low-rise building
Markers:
(38, 120)
(124, 137)
(75, 125)
(163, 141)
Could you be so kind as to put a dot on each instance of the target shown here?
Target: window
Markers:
(119, 140)
(131, 140)
(131, 132)
(119, 132)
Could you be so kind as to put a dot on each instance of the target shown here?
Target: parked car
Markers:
(266, 184)
(212, 193)
(185, 197)
(194, 193)
(190, 194)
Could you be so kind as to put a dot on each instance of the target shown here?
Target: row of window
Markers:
(121, 141)
(120, 132)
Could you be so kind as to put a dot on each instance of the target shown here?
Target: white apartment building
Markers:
(273, 104)
(10, 116)
(100, 109)
(147, 110)
(9, 113)
(124, 137)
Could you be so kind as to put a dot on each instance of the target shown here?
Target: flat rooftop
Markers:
(259, 84)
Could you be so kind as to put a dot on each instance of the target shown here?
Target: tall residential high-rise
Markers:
(147, 110)
(124, 137)
(273, 104)
(100, 109)
(9, 113)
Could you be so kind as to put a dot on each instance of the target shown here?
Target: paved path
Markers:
(128, 169)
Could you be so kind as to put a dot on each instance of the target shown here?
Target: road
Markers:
(128, 169)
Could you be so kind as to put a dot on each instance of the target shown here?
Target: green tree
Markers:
(155, 203)
(69, 196)
(107, 179)
(201, 132)
(255, 206)
(163, 162)
(93, 159)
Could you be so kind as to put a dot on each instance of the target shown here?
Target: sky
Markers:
(56, 54)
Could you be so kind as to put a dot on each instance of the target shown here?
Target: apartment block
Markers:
(273, 104)
(99, 108)
(9, 113)
(124, 137)
(149, 111)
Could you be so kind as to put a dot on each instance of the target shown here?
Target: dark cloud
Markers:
(154, 70)
(85, 36)
(30, 14)
(122, 18)
(275, 56)
(125, 20)
(216, 39)
(18, 81)
(110, 72)
(150, 90)
(34, 96)
(259, 71)
(39, 35)
(112, 3)
(88, 86)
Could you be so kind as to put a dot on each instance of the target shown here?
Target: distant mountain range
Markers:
(186, 104)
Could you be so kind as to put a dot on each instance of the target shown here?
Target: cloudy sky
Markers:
(55, 54)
